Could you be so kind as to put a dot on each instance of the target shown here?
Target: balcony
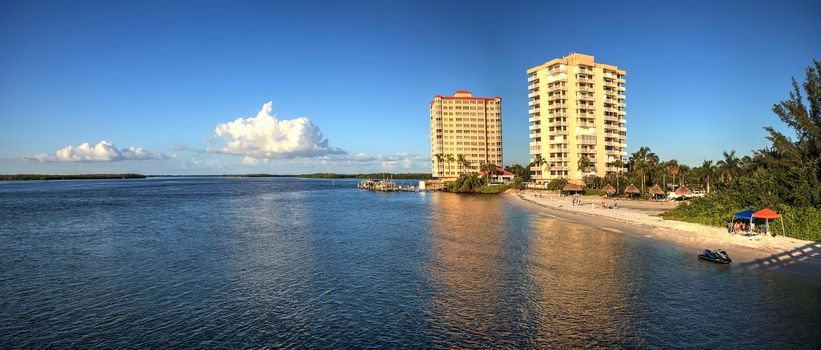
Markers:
(556, 97)
(584, 80)
(534, 135)
(586, 107)
(533, 111)
(556, 88)
(585, 89)
(532, 86)
(533, 94)
(558, 123)
(533, 119)
(612, 118)
(533, 78)
(556, 105)
(558, 132)
(533, 103)
(621, 128)
(585, 98)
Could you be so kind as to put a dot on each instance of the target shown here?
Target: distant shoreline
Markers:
(45, 177)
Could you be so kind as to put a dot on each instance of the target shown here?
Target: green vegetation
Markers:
(556, 185)
(466, 183)
(785, 177)
(593, 192)
(520, 172)
(70, 177)
(493, 189)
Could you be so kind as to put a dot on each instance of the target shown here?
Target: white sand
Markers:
(758, 250)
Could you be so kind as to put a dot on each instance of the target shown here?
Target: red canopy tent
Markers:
(768, 214)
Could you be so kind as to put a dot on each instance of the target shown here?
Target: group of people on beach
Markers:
(578, 202)
(740, 226)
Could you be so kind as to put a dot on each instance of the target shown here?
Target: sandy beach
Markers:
(643, 217)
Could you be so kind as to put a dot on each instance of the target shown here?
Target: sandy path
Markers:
(794, 255)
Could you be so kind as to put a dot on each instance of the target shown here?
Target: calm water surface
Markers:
(216, 263)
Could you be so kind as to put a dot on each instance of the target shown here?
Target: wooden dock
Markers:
(384, 186)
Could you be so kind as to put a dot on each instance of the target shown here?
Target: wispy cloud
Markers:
(266, 137)
(104, 151)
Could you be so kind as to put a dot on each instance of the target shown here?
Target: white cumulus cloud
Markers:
(266, 137)
(103, 151)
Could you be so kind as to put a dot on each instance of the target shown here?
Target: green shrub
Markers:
(466, 183)
(493, 189)
(556, 185)
(593, 192)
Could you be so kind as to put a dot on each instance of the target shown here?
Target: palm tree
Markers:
(708, 172)
(618, 164)
(462, 161)
(584, 164)
(489, 168)
(674, 169)
(440, 157)
(729, 166)
(538, 162)
(683, 170)
(449, 158)
(642, 161)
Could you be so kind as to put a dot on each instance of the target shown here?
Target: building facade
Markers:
(465, 132)
(577, 110)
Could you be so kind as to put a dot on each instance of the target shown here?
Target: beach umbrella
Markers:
(768, 214)
(684, 191)
(572, 187)
(632, 189)
(656, 190)
(608, 189)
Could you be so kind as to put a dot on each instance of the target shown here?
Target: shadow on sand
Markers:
(808, 254)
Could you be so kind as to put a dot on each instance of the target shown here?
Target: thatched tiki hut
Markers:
(657, 192)
(683, 191)
(632, 190)
(571, 187)
(609, 190)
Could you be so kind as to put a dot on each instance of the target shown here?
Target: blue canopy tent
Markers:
(746, 215)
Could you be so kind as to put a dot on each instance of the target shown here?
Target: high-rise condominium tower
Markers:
(577, 110)
(465, 132)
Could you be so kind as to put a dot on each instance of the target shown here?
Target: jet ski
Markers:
(717, 256)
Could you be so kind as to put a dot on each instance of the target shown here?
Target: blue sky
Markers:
(162, 76)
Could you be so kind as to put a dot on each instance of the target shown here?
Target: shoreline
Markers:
(778, 253)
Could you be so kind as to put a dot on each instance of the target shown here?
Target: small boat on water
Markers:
(716, 256)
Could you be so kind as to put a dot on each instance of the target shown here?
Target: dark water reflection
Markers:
(311, 263)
